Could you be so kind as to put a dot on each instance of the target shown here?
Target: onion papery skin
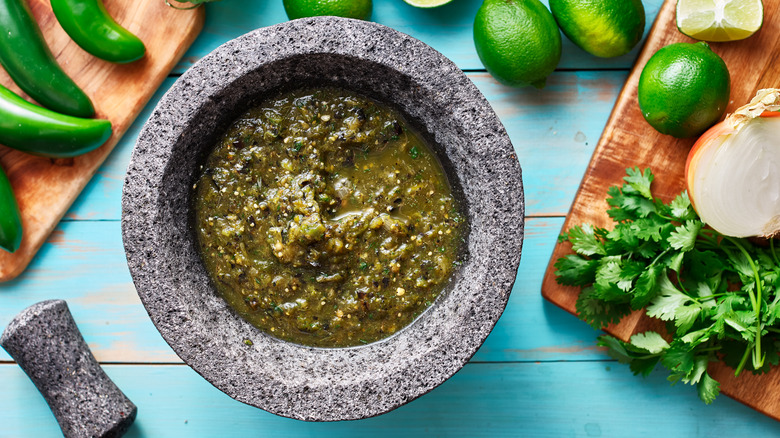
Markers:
(733, 176)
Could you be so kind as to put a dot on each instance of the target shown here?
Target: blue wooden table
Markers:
(538, 374)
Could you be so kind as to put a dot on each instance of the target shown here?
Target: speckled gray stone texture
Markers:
(291, 380)
(45, 341)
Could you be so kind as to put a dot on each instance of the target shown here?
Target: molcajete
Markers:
(309, 383)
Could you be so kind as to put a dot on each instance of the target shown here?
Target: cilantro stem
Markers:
(758, 360)
(646, 356)
(680, 283)
(742, 361)
(655, 260)
(772, 249)
(710, 231)
(707, 297)
(709, 236)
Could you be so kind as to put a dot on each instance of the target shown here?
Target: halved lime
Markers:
(427, 3)
(719, 20)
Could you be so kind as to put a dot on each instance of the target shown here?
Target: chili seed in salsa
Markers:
(324, 220)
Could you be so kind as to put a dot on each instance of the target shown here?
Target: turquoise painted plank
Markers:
(447, 29)
(531, 328)
(565, 119)
(84, 264)
(572, 399)
(554, 131)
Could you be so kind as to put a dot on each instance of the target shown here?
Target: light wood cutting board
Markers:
(46, 188)
(629, 141)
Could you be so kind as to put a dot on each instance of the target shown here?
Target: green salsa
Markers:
(324, 220)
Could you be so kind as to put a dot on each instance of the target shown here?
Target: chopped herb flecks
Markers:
(316, 208)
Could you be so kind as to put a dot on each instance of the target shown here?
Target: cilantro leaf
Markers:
(610, 292)
(697, 337)
(739, 262)
(705, 294)
(685, 316)
(608, 273)
(640, 362)
(628, 204)
(645, 289)
(651, 228)
(644, 365)
(648, 250)
(584, 241)
(616, 200)
(638, 206)
(616, 348)
(773, 311)
(573, 270)
(629, 272)
(622, 238)
(674, 262)
(650, 341)
(640, 181)
(708, 388)
(703, 264)
(743, 322)
(681, 208)
(699, 368)
(664, 306)
(729, 303)
(678, 357)
(597, 312)
(684, 237)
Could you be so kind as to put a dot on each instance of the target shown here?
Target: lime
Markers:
(684, 89)
(719, 20)
(605, 28)
(427, 3)
(517, 41)
(360, 9)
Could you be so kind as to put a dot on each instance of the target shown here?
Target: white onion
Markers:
(733, 170)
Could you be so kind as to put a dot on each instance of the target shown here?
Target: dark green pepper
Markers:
(89, 25)
(10, 221)
(38, 131)
(28, 60)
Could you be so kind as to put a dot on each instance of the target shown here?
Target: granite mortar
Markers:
(300, 382)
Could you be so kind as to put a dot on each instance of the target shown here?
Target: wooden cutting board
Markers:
(629, 141)
(46, 188)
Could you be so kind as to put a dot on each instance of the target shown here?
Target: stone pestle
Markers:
(45, 341)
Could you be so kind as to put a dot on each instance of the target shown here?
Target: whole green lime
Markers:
(360, 9)
(605, 28)
(517, 41)
(684, 89)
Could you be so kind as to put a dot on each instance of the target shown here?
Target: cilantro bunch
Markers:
(717, 294)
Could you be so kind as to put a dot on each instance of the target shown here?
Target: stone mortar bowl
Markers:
(300, 382)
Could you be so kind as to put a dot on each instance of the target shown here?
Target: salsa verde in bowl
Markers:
(440, 105)
(323, 219)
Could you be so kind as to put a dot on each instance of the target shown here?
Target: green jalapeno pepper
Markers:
(28, 60)
(89, 25)
(10, 221)
(38, 131)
